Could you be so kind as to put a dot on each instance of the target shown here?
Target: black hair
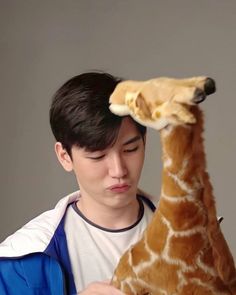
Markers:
(80, 115)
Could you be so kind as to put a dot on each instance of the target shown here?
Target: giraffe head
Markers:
(159, 102)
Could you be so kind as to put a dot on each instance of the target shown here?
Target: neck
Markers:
(107, 216)
(183, 158)
(184, 164)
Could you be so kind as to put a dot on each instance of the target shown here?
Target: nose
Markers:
(117, 167)
(210, 86)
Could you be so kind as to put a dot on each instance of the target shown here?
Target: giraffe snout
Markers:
(200, 94)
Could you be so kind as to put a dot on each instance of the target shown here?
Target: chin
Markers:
(123, 200)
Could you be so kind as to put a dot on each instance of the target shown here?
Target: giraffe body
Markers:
(182, 251)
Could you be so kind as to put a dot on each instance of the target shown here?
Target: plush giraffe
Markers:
(183, 250)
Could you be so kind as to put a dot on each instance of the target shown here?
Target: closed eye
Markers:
(132, 150)
(96, 158)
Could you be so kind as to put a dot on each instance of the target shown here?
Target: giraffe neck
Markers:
(183, 167)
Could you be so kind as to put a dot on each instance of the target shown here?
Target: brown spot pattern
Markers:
(139, 254)
(156, 234)
(186, 248)
(182, 216)
(164, 277)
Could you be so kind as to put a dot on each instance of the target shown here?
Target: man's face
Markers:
(110, 177)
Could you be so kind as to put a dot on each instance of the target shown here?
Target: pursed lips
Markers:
(119, 187)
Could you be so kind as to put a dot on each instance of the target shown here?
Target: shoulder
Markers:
(35, 236)
(28, 273)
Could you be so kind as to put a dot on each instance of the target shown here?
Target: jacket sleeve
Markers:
(31, 275)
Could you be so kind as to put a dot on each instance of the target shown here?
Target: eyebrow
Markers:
(134, 139)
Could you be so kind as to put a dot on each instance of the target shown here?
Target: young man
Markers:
(75, 248)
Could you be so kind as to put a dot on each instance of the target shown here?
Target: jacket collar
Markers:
(36, 235)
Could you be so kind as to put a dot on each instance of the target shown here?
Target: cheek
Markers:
(89, 172)
(140, 166)
(137, 163)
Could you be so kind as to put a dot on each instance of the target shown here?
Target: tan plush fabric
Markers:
(183, 250)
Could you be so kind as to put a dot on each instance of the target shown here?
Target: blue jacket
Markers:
(35, 259)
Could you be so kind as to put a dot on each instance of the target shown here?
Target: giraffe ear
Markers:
(138, 104)
(141, 105)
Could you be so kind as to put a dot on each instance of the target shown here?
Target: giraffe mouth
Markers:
(199, 96)
(199, 100)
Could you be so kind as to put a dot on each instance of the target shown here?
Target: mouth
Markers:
(119, 188)
(199, 96)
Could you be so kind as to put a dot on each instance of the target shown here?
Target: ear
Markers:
(142, 105)
(138, 106)
(63, 157)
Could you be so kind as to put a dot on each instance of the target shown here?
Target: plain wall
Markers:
(44, 43)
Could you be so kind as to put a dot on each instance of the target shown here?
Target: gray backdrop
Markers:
(44, 43)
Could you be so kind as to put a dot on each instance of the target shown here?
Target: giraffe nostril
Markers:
(210, 86)
(199, 96)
